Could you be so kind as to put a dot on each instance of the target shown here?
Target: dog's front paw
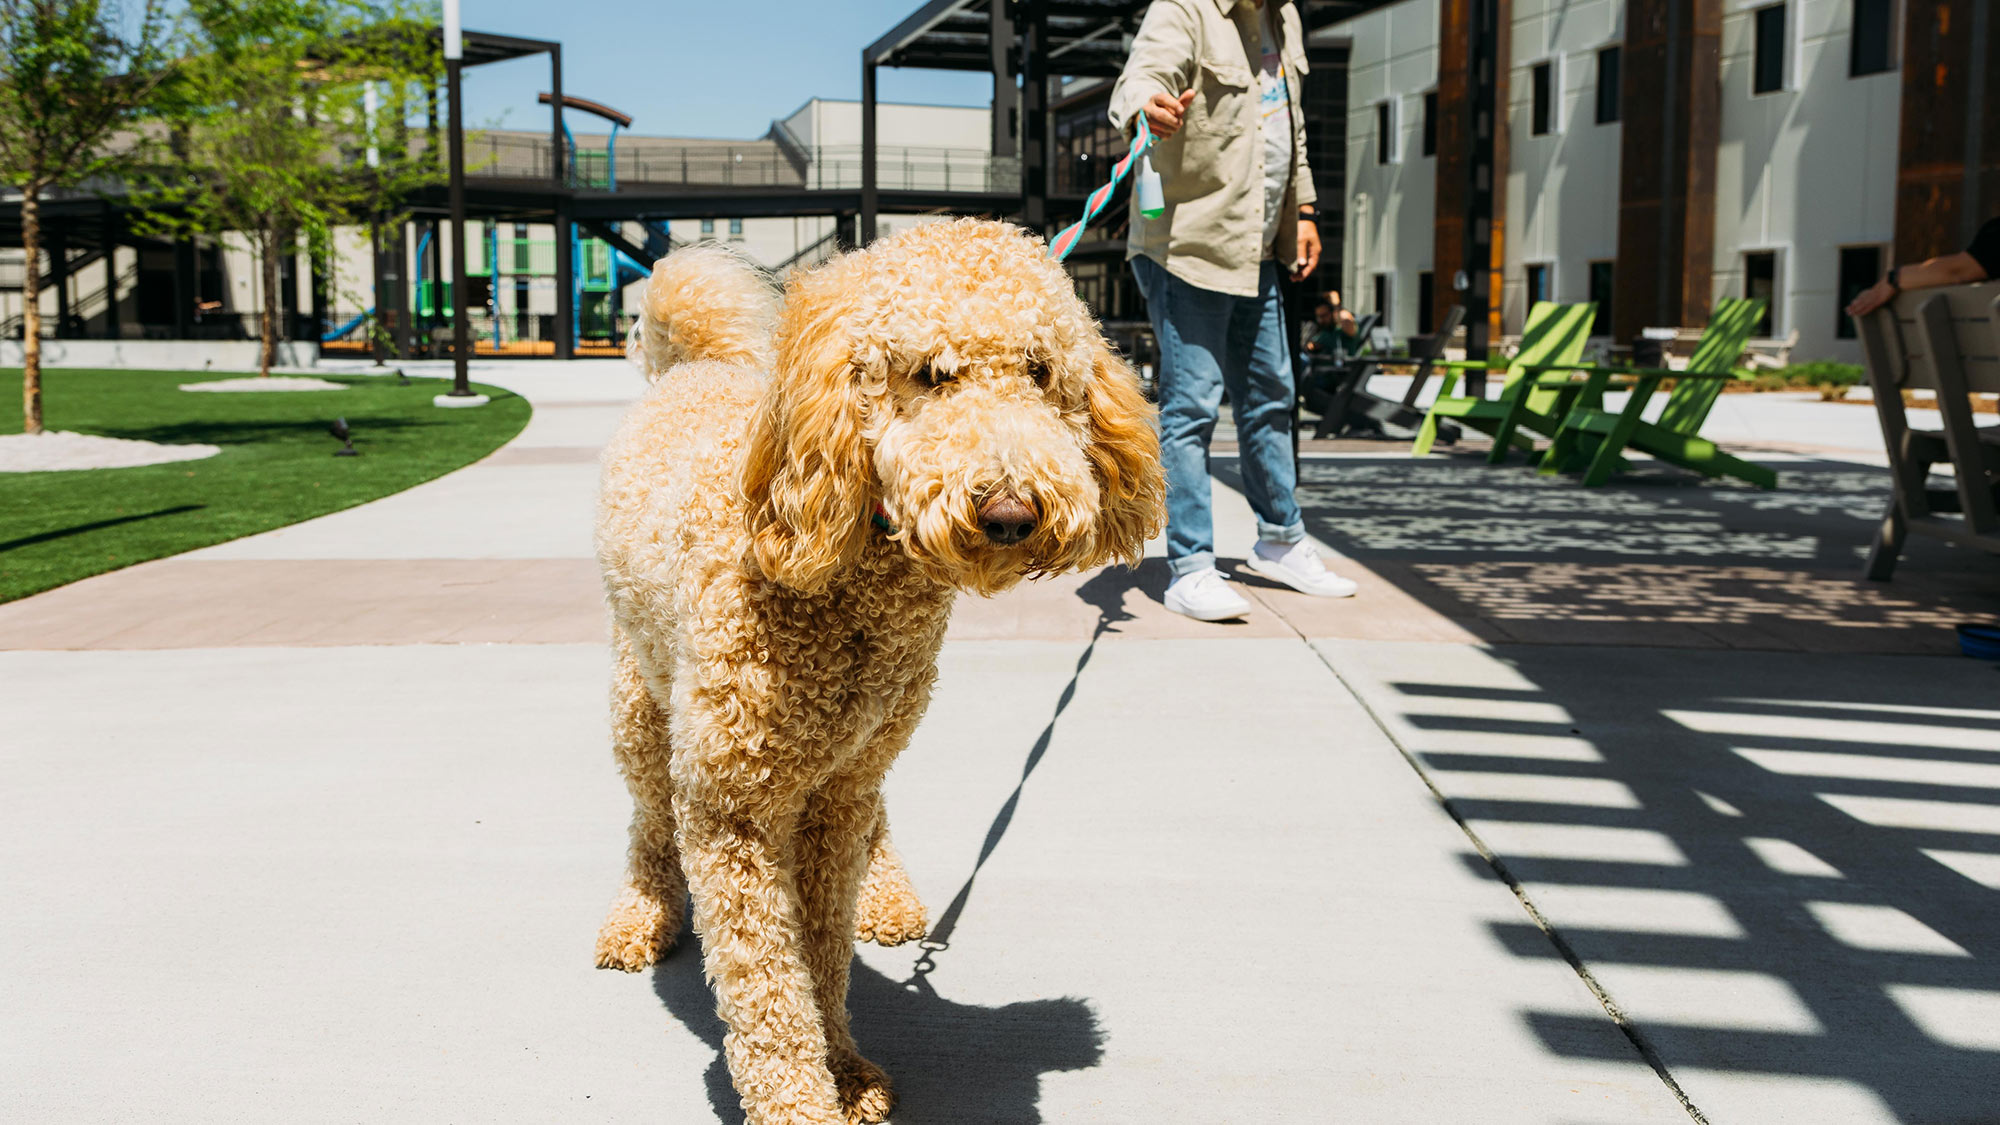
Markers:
(888, 911)
(638, 931)
(865, 1094)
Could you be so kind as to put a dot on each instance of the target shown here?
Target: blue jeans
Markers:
(1209, 341)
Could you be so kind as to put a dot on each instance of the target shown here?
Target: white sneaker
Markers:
(1205, 596)
(1298, 565)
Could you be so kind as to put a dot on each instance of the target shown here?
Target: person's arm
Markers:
(1159, 74)
(1951, 269)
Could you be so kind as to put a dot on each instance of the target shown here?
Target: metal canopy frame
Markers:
(1023, 44)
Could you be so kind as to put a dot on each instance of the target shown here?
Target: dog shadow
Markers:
(951, 1063)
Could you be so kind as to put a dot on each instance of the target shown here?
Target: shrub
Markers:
(1823, 373)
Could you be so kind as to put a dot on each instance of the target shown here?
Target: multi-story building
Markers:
(1802, 140)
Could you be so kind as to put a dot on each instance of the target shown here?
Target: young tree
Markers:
(272, 132)
(75, 76)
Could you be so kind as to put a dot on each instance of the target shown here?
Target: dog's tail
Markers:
(704, 302)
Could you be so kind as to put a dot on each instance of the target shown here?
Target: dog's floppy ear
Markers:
(806, 475)
(1124, 450)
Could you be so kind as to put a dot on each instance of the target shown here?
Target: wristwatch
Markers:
(1890, 277)
(1308, 215)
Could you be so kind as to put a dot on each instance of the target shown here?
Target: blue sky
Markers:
(696, 69)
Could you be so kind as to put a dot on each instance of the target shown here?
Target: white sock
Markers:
(1272, 552)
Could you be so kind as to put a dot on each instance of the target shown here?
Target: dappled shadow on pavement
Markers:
(1786, 874)
(1657, 557)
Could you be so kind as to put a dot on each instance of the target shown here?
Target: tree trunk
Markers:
(268, 353)
(31, 310)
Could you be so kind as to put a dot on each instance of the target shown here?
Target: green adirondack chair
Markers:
(1593, 438)
(1553, 335)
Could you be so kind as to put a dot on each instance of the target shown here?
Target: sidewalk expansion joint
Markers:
(1561, 944)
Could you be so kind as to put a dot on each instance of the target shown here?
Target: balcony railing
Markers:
(756, 164)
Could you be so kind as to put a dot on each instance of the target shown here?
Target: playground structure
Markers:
(495, 263)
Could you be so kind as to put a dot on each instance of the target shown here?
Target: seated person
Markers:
(1334, 329)
(1977, 262)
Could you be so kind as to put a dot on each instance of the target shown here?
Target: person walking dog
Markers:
(1219, 82)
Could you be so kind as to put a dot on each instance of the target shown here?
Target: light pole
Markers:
(454, 60)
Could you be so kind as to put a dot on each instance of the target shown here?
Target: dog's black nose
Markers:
(1006, 520)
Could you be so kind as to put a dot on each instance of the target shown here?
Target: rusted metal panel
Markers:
(1931, 150)
(1672, 98)
(1454, 149)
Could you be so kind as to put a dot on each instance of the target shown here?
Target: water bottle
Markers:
(1152, 200)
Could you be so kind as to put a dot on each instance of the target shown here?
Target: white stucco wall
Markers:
(1562, 188)
(1806, 170)
(1394, 58)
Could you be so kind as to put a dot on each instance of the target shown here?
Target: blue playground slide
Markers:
(346, 328)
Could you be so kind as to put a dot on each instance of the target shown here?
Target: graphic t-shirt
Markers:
(1276, 113)
(1985, 249)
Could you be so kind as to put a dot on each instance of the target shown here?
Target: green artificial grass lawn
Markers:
(276, 466)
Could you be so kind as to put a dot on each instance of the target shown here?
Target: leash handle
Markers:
(1148, 193)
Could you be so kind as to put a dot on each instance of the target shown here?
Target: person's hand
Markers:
(1346, 321)
(1308, 250)
(1165, 113)
(1871, 298)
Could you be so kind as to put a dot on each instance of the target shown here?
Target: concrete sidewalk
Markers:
(318, 825)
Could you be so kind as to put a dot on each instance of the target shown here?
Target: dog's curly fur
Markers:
(775, 649)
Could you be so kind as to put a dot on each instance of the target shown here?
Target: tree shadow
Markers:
(95, 525)
(951, 1063)
(1782, 869)
(221, 431)
(1678, 558)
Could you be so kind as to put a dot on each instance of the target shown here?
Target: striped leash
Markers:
(1148, 192)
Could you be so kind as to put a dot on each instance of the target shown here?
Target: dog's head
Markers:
(949, 380)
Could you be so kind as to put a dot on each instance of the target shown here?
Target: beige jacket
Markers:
(1212, 170)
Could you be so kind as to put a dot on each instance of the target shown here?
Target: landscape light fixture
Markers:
(340, 431)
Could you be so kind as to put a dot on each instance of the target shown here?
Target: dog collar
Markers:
(880, 519)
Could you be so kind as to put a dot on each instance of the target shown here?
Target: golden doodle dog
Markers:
(786, 518)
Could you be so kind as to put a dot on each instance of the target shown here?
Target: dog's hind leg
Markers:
(889, 911)
(649, 910)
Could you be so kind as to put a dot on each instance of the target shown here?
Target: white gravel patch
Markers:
(58, 450)
(272, 383)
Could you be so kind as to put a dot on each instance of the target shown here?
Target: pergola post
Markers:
(1006, 88)
(58, 243)
(565, 236)
(1483, 67)
(110, 250)
(869, 199)
(1034, 35)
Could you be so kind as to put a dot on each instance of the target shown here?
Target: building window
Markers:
(1385, 132)
(1430, 122)
(1860, 266)
(1600, 294)
(1385, 289)
(708, 228)
(1870, 47)
(1542, 78)
(1760, 279)
(1426, 300)
(1607, 85)
(1538, 283)
(1768, 69)
(736, 230)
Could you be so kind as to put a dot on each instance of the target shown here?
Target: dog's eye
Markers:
(1038, 370)
(931, 377)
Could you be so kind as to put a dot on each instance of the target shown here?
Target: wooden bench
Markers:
(1946, 341)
